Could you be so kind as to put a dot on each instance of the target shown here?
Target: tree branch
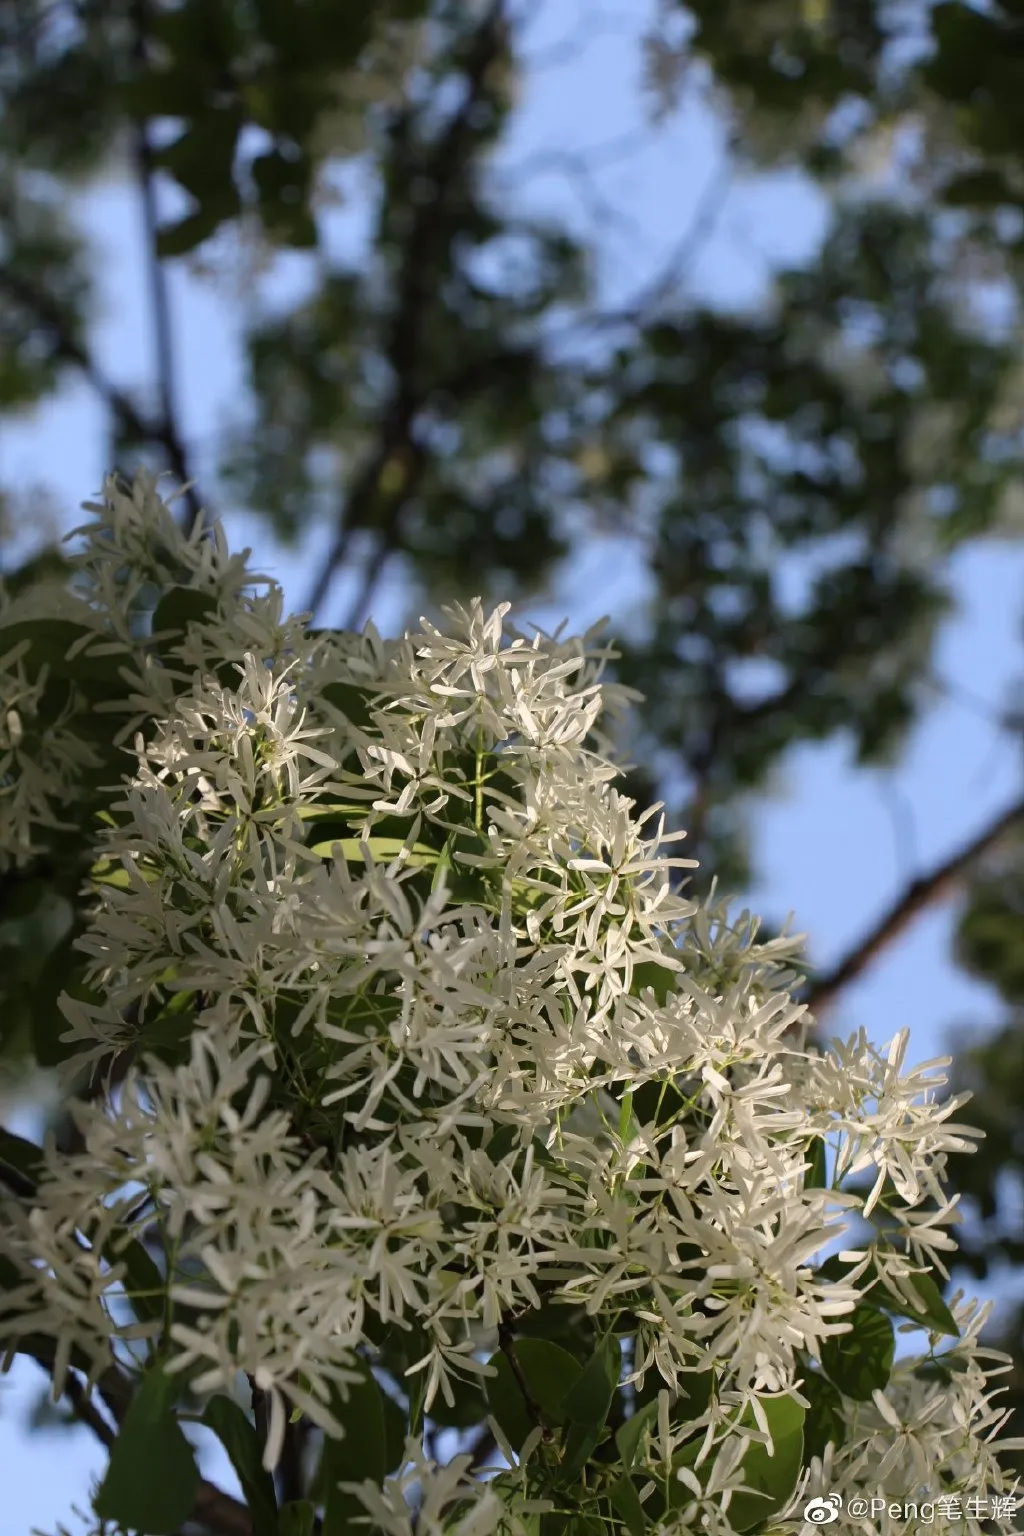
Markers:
(86, 1410)
(65, 348)
(163, 338)
(397, 457)
(918, 895)
(411, 470)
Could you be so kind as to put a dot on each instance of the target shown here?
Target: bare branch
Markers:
(64, 348)
(918, 895)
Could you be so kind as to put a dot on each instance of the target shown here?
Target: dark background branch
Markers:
(919, 894)
(398, 459)
(168, 433)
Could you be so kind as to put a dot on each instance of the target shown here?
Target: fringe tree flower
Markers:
(418, 1087)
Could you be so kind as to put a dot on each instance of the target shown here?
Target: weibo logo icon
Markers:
(823, 1511)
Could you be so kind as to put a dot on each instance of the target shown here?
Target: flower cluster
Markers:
(426, 1047)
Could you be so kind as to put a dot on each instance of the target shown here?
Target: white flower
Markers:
(424, 1080)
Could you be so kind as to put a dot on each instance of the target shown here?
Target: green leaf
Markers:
(201, 158)
(63, 972)
(353, 702)
(185, 234)
(21, 1159)
(283, 184)
(106, 872)
(695, 1390)
(298, 1518)
(771, 1478)
(693, 1398)
(49, 643)
(145, 1286)
(180, 608)
(626, 1502)
(933, 1311)
(568, 1326)
(168, 1034)
(444, 863)
(340, 811)
(502, 1142)
(174, 91)
(581, 1441)
(629, 1435)
(659, 978)
(382, 850)
(549, 1372)
(941, 1368)
(825, 1421)
(152, 1480)
(657, 1101)
(238, 1436)
(362, 1453)
(859, 1361)
(817, 1173)
(395, 1427)
(556, 1522)
(591, 1397)
(984, 187)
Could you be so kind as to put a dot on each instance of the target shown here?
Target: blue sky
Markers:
(833, 845)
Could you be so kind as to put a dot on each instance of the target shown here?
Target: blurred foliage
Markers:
(460, 400)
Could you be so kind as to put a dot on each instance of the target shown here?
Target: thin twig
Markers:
(919, 894)
(578, 169)
(679, 262)
(643, 305)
